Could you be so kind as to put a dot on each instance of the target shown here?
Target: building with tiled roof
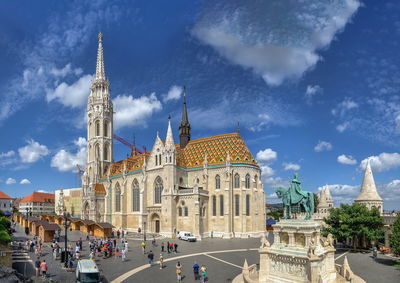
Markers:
(37, 203)
(209, 186)
(6, 202)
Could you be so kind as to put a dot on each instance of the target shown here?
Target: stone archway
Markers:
(86, 209)
(155, 223)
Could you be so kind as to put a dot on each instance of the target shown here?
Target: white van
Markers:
(87, 272)
(186, 236)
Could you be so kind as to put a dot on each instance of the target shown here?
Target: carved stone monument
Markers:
(298, 254)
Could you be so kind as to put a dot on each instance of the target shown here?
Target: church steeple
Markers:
(100, 73)
(184, 128)
(169, 141)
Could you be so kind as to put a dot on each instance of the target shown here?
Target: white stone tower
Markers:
(99, 133)
(368, 194)
(325, 202)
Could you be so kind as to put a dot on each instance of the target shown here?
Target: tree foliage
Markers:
(276, 214)
(356, 222)
(395, 239)
(5, 230)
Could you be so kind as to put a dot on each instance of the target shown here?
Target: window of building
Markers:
(247, 205)
(186, 211)
(106, 152)
(237, 181)
(97, 125)
(221, 205)
(117, 198)
(256, 179)
(214, 205)
(237, 207)
(180, 211)
(180, 181)
(105, 130)
(217, 182)
(158, 187)
(135, 196)
(156, 160)
(159, 159)
(247, 181)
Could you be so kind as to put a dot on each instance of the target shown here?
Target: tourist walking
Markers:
(196, 268)
(178, 271)
(37, 266)
(150, 256)
(171, 247)
(126, 246)
(123, 254)
(43, 268)
(144, 247)
(203, 271)
(162, 247)
(161, 261)
(175, 247)
(168, 246)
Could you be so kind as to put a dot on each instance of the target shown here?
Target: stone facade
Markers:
(206, 186)
(72, 201)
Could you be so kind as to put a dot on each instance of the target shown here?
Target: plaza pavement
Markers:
(223, 258)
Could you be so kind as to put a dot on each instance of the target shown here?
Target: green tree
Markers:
(395, 238)
(355, 222)
(276, 214)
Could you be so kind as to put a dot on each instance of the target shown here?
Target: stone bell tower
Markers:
(99, 133)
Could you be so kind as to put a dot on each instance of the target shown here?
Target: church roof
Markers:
(99, 189)
(368, 190)
(216, 149)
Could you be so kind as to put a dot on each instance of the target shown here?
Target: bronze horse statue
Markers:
(294, 195)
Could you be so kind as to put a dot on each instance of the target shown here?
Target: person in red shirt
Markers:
(43, 268)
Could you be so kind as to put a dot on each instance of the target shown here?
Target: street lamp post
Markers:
(66, 225)
(144, 231)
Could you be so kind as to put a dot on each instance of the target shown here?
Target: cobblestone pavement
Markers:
(222, 266)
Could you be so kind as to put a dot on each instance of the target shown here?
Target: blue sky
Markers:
(315, 87)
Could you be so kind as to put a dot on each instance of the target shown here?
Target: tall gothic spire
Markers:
(368, 190)
(184, 128)
(100, 73)
(169, 141)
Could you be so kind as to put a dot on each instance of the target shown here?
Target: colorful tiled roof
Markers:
(4, 196)
(216, 148)
(132, 163)
(38, 197)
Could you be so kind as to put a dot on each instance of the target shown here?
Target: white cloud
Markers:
(10, 181)
(66, 161)
(25, 182)
(67, 70)
(275, 48)
(7, 154)
(267, 171)
(311, 92)
(130, 111)
(323, 146)
(44, 191)
(291, 166)
(266, 156)
(382, 162)
(390, 191)
(346, 159)
(343, 193)
(343, 107)
(74, 95)
(32, 152)
(174, 93)
(342, 127)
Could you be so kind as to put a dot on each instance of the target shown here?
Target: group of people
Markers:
(199, 272)
(108, 248)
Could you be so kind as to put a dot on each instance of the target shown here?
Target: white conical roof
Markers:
(325, 197)
(169, 141)
(368, 190)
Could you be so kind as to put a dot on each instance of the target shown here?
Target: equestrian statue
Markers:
(294, 198)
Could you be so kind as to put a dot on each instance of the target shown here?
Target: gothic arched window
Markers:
(247, 205)
(214, 205)
(221, 205)
(97, 126)
(256, 179)
(117, 198)
(247, 181)
(106, 152)
(106, 128)
(237, 181)
(186, 211)
(135, 196)
(217, 182)
(180, 211)
(158, 187)
(237, 205)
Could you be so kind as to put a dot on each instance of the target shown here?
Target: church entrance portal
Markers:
(155, 223)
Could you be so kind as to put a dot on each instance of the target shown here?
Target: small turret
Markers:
(184, 128)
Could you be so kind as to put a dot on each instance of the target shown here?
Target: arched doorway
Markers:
(155, 223)
(86, 211)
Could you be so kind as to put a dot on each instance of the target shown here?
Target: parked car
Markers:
(87, 272)
(186, 236)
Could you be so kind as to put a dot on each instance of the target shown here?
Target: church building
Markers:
(209, 186)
